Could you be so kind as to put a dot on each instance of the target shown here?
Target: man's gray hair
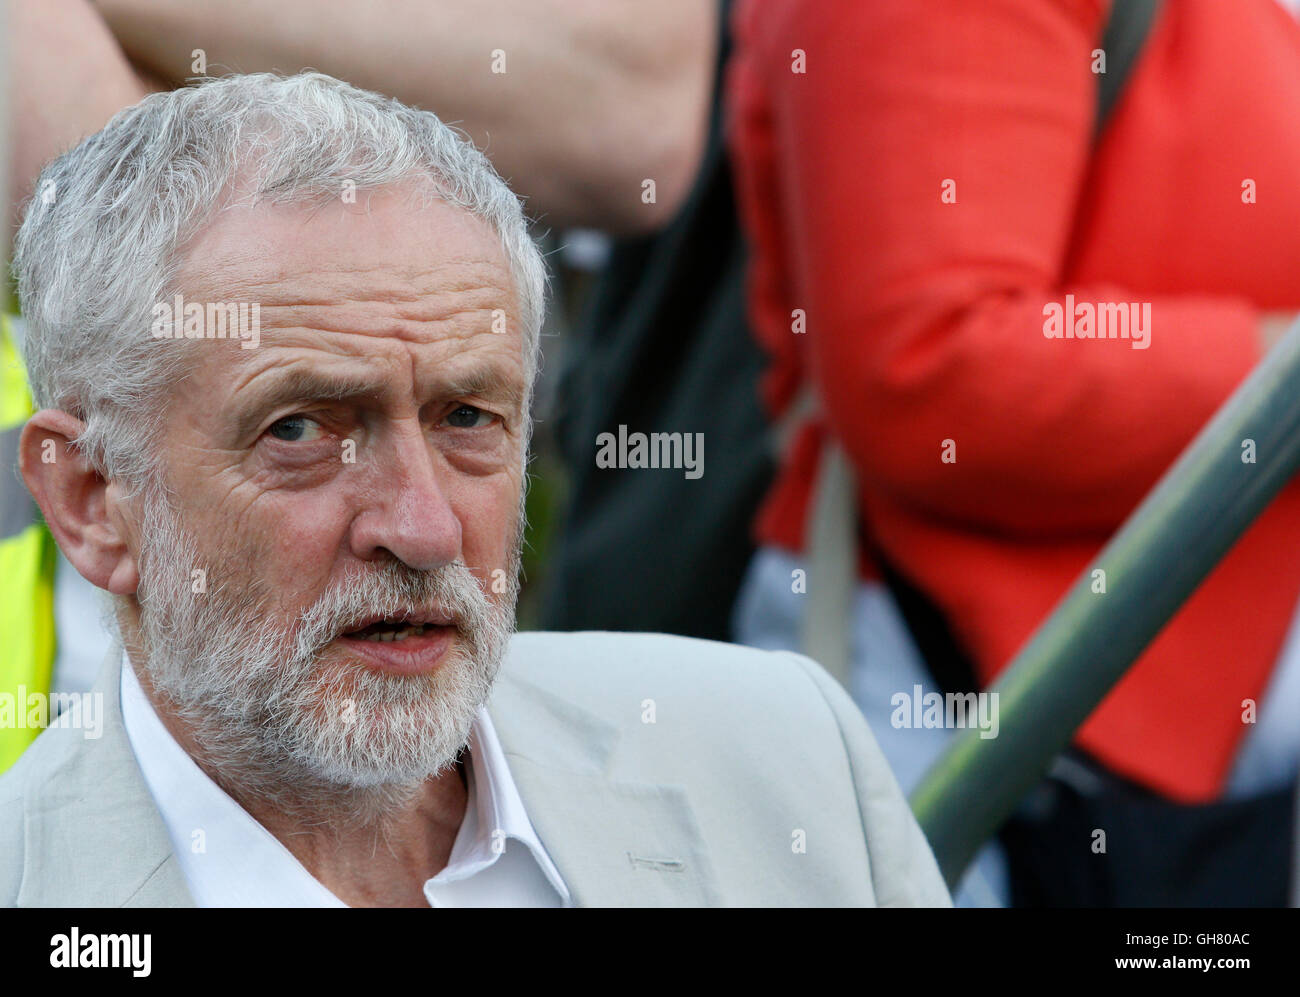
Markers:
(98, 246)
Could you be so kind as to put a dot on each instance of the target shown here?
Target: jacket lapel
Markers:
(615, 842)
(93, 836)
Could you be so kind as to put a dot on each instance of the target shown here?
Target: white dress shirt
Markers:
(230, 860)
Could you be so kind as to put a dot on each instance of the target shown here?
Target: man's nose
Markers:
(409, 515)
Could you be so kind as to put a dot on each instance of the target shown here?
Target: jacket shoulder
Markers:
(768, 746)
(11, 849)
(54, 748)
(36, 774)
(602, 672)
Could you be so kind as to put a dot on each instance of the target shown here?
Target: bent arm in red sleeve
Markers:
(925, 314)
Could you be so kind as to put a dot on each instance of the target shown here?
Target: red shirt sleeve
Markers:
(925, 319)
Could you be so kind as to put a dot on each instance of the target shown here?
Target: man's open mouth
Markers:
(394, 629)
(391, 631)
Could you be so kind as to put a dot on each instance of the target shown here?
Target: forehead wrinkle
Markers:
(404, 325)
(456, 310)
(331, 295)
(380, 282)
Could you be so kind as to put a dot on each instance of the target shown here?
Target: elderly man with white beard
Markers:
(311, 548)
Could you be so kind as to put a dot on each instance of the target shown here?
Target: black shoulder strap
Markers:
(1126, 32)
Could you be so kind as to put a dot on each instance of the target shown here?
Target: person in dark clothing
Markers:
(665, 347)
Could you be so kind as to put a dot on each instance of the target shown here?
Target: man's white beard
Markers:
(274, 721)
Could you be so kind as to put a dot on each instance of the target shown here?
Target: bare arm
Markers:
(596, 96)
(67, 77)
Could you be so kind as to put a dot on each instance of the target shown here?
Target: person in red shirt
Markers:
(922, 186)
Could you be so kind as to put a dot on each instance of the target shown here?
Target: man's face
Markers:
(349, 490)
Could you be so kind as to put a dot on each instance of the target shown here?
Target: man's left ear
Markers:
(81, 508)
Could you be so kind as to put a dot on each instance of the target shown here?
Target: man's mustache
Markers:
(446, 596)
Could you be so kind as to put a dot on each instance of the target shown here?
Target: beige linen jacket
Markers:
(658, 771)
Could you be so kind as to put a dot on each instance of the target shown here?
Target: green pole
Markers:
(1173, 540)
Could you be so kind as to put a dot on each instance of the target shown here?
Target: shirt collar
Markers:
(230, 860)
(494, 816)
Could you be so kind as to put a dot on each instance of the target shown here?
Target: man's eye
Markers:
(469, 417)
(297, 429)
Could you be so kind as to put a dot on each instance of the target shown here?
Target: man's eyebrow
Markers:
(303, 386)
(486, 382)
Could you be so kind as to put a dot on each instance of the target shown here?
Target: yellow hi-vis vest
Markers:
(27, 556)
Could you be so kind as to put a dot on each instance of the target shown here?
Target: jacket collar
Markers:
(616, 842)
(94, 837)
